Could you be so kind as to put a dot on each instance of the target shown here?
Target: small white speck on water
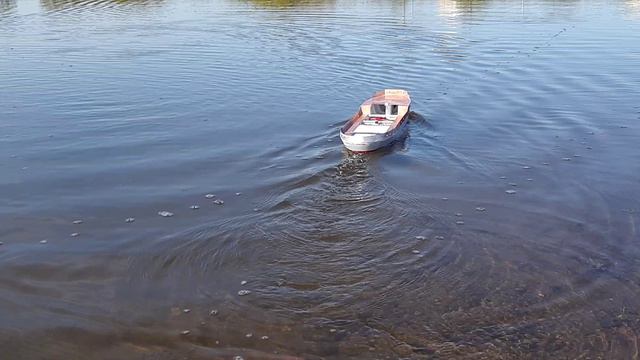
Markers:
(529, 179)
(503, 177)
(415, 251)
(186, 311)
(194, 207)
(213, 312)
(460, 182)
(244, 292)
(510, 191)
(129, 220)
(43, 241)
(238, 193)
(77, 222)
(460, 222)
(238, 357)
(566, 159)
(264, 337)
(256, 209)
(332, 330)
(480, 208)
(513, 184)
(165, 213)
(218, 202)
(458, 214)
(25, 168)
(439, 237)
(526, 167)
(445, 199)
(420, 237)
(13, 156)
(576, 156)
(185, 332)
(249, 335)
(545, 163)
(243, 282)
(1, 243)
(74, 234)
(209, 196)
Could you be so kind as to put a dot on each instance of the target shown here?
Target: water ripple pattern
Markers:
(173, 183)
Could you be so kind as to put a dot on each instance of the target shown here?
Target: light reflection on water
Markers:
(118, 109)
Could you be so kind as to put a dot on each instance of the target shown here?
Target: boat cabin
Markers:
(384, 110)
(380, 114)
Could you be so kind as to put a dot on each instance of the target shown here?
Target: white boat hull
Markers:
(371, 142)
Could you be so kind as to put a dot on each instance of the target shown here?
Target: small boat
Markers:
(381, 120)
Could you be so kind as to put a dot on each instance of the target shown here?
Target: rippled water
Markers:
(503, 226)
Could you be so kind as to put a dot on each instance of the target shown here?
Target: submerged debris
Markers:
(244, 292)
(165, 213)
(1, 243)
(510, 191)
(129, 220)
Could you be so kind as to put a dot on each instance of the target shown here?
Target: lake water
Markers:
(505, 225)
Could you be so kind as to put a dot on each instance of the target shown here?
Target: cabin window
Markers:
(394, 109)
(378, 109)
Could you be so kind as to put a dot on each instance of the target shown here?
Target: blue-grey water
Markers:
(505, 225)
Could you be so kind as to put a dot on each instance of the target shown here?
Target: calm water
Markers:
(120, 109)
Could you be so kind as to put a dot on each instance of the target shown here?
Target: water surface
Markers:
(120, 109)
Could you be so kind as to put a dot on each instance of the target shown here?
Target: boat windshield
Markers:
(378, 109)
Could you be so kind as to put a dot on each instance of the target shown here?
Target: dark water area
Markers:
(505, 225)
